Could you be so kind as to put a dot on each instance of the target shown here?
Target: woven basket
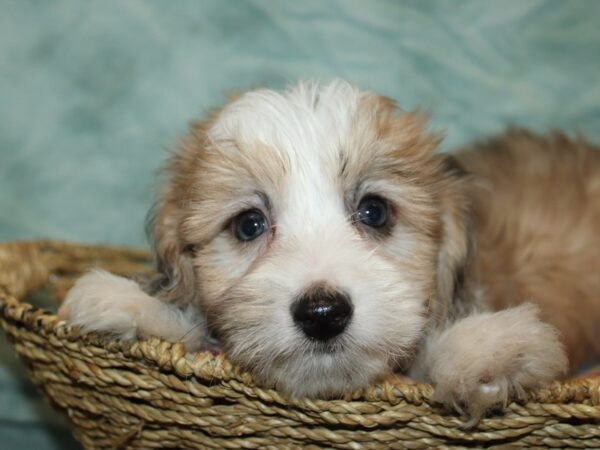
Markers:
(150, 394)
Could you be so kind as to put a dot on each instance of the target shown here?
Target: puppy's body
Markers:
(536, 205)
(327, 245)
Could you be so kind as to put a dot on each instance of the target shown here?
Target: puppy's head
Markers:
(316, 230)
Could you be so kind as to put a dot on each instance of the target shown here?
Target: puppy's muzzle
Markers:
(322, 313)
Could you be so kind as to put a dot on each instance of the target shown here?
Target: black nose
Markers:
(322, 313)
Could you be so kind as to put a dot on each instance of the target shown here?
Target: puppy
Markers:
(319, 237)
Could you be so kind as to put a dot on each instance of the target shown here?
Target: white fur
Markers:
(103, 302)
(308, 126)
(479, 361)
(482, 361)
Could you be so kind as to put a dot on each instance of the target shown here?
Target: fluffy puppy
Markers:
(319, 237)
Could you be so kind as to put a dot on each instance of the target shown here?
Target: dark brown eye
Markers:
(249, 225)
(373, 212)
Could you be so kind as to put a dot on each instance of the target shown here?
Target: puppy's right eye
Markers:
(249, 225)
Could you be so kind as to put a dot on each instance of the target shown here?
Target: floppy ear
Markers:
(455, 296)
(174, 280)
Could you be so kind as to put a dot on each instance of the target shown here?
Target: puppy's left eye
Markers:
(372, 211)
(249, 225)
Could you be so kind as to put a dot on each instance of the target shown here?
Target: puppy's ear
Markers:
(457, 242)
(174, 279)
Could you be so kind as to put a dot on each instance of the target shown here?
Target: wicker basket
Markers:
(150, 394)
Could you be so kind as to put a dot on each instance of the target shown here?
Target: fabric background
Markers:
(92, 93)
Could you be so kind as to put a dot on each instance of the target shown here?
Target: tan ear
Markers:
(174, 278)
(457, 244)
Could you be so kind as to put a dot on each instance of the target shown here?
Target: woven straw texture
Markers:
(150, 394)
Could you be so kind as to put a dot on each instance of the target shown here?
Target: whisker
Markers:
(372, 252)
(190, 330)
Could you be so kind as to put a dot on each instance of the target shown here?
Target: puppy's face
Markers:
(312, 222)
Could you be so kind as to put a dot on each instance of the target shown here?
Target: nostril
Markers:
(322, 313)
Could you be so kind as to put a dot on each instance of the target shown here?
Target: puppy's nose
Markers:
(322, 313)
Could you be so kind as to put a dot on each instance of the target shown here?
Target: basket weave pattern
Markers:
(151, 394)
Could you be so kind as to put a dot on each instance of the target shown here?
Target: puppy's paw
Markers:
(109, 304)
(102, 302)
(484, 361)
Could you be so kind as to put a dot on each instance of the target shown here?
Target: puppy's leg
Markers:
(485, 360)
(102, 302)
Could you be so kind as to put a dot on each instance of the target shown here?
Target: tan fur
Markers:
(536, 201)
(487, 359)
(436, 294)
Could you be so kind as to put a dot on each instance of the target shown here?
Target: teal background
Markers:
(93, 92)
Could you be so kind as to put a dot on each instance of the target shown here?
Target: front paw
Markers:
(484, 361)
(102, 302)
(118, 307)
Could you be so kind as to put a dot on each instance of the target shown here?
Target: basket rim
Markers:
(172, 357)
